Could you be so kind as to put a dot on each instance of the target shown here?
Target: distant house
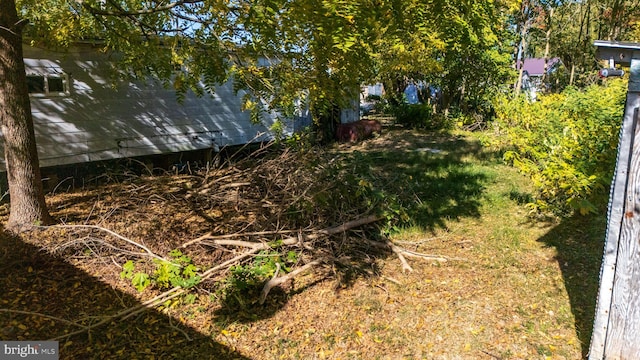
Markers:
(533, 69)
(376, 89)
(80, 115)
(368, 93)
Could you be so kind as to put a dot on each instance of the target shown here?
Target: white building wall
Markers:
(97, 120)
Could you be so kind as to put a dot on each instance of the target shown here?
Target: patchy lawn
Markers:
(489, 283)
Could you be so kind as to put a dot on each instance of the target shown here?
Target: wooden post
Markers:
(616, 330)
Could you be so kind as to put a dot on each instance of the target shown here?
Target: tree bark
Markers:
(547, 46)
(523, 45)
(573, 73)
(522, 48)
(28, 205)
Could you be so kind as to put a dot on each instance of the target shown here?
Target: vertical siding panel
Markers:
(626, 294)
(616, 331)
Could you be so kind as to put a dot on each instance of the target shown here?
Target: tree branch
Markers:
(291, 240)
(401, 253)
(113, 233)
(275, 281)
(124, 13)
(41, 315)
(177, 291)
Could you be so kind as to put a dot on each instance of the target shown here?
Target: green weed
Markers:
(180, 271)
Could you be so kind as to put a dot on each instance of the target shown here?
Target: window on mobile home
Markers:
(47, 85)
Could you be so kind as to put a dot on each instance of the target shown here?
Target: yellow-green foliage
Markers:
(567, 143)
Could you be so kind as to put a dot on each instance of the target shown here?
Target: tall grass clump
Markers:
(566, 143)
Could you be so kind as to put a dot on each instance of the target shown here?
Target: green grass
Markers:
(461, 200)
(515, 287)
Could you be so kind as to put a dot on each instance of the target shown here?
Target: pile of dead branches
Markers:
(275, 200)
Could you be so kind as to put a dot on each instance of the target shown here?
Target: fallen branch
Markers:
(209, 239)
(236, 243)
(401, 253)
(177, 291)
(390, 279)
(440, 258)
(275, 280)
(389, 245)
(41, 315)
(210, 236)
(351, 224)
(292, 240)
(207, 274)
(113, 233)
(87, 241)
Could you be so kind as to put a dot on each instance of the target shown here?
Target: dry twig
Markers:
(209, 239)
(41, 315)
(401, 253)
(113, 233)
(210, 236)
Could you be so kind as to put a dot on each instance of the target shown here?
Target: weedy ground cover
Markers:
(512, 286)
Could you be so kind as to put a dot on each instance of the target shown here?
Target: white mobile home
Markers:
(81, 116)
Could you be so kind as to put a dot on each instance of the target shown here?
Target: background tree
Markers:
(320, 51)
(525, 20)
(476, 62)
(618, 18)
(281, 51)
(567, 29)
(407, 46)
(456, 47)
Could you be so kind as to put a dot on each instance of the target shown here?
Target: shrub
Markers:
(419, 116)
(566, 143)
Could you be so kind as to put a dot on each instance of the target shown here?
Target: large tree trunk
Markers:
(28, 205)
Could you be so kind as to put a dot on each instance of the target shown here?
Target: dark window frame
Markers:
(43, 85)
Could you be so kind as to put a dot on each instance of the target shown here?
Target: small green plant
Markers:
(301, 140)
(139, 280)
(245, 282)
(178, 272)
(263, 267)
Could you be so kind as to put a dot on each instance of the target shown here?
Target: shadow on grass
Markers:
(430, 176)
(240, 303)
(579, 242)
(433, 179)
(32, 281)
